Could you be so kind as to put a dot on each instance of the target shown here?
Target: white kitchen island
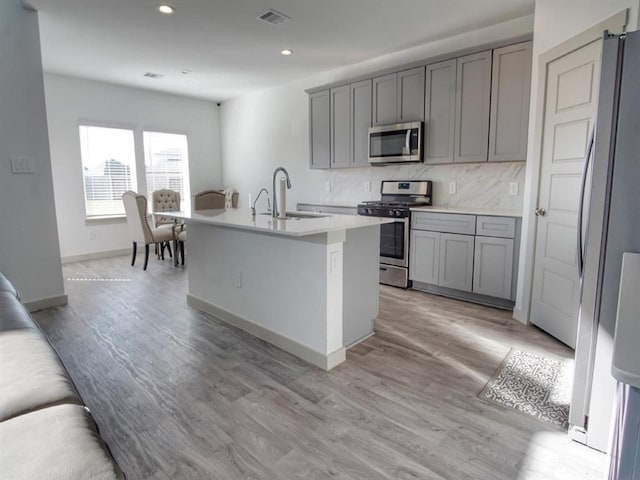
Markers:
(308, 285)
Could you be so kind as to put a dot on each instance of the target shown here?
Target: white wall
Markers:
(555, 22)
(29, 254)
(269, 128)
(71, 101)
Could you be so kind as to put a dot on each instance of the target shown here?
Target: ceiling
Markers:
(229, 51)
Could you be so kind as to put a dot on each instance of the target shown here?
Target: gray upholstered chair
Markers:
(212, 199)
(135, 206)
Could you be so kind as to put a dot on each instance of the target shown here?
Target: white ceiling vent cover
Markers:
(274, 17)
(155, 76)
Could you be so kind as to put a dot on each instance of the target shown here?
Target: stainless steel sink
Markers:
(299, 215)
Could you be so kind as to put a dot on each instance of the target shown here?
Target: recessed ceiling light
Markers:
(286, 52)
(166, 9)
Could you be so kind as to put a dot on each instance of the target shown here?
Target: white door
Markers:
(570, 110)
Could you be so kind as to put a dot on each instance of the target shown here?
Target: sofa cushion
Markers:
(56, 443)
(5, 286)
(13, 315)
(32, 375)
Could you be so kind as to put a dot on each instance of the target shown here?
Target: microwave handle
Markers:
(407, 143)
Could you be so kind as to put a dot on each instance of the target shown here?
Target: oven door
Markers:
(394, 243)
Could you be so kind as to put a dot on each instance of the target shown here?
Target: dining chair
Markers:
(135, 207)
(212, 199)
(165, 200)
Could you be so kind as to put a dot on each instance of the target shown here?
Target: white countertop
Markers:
(241, 219)
(331, 203)
(492, 212)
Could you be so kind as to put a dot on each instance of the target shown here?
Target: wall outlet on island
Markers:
(238, 279)
(452, 188)
(327, 186)
(513, 189)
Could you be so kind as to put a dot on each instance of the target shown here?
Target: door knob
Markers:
(540, 212)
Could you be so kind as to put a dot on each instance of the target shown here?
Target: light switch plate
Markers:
(513, 189)
(21, 164)
(452, 188)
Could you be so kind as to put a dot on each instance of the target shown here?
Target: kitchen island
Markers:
(307, 284)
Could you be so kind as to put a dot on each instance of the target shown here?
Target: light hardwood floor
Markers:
(180, 395)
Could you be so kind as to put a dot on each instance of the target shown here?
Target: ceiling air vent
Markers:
(274, 17)
(155, 76)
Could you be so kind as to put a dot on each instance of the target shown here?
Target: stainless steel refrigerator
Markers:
(609, 224)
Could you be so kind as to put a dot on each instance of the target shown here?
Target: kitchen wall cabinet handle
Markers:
(540, 212)
(583, 187)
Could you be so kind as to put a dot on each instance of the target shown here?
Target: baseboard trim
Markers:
(96, 255)
(35, 305)
(518, 315)
(326, 362)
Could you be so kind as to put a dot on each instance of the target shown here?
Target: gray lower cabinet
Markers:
(360, 122)
(440, 112)
(320, 129)
(464, 253)
(340, 127)
(424, 257)
(456, 261)
(510, 87)
(493, 266)
(473, 86)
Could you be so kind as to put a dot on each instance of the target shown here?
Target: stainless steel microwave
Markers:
(401, 142)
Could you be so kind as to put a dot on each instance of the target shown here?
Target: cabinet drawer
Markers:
(444, 222)
(504, 227)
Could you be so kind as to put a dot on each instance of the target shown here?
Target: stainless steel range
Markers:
(397, 197)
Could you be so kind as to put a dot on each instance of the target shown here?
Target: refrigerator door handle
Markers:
(583, 187)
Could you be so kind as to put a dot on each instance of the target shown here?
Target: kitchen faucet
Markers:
(253, 207)
(274, 210)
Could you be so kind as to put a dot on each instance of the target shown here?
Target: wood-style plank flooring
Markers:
(180, 395)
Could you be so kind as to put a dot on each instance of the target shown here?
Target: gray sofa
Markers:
(45, 429)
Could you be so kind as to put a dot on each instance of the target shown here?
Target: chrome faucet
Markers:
(274, 211)
(253, 207)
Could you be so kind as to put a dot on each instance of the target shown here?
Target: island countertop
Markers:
(241, 219)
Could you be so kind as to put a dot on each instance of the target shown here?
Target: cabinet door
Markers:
(456, 261)
(473, 88)
(440, 112)
(493, 266)
(319, 134)
(385, 99)
(411, 95)
(360, 123)
(340, 127)
(510, 86)
(424, 256)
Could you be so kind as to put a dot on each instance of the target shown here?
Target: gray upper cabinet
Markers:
(511, 84)
(472, 107)
(411, 95)
(340, 126)
(399, 97)
(440, 112)
(385, 99)
(320, 128)
(360, 122)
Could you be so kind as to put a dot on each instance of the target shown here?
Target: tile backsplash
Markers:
(481, 185)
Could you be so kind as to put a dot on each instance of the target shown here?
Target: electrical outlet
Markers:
(21, 164)
(513, 189)
(452, 188)
(238, 279)
(327, 186)
(92, 234)
(367, 186)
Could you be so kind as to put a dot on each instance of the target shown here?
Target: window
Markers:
(109, 168)
(166, 161)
